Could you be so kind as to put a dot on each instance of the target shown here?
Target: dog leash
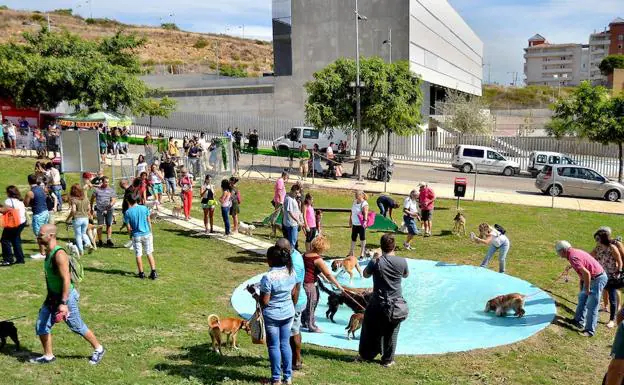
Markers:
(549, 287)
(353, 299)
(14, 318)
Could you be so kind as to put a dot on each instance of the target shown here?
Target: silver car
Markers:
(578, 181)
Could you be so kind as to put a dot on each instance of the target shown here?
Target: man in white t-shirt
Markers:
(330, 151)
(410, 216)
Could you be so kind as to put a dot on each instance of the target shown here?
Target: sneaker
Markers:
(611, 324)
(576, 324)
(99, 243)
(96, 357)
(128, 245)
(42, 360)
(586, 334)
(287, 381)
(109, 243)
(407, 246)
(388, 364)
(141, 275)
(37, 256)
(153, 275)
(6, 263)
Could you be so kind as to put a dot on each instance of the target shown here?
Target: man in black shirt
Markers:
(386, 205)
(194, 155)
(168, 168)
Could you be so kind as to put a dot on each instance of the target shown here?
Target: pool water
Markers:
(446, 304)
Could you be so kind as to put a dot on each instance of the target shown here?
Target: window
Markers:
(554, 159)
(541, 158)
(310, 134)
(567, 160)
(473, 153)
(620, 37)
(494, 155)
(593, 175)
(569, 172)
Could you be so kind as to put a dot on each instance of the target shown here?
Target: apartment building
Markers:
(599, 44)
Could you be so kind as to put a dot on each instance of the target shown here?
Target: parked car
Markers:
(485, 159)
(574, 180)
(538, 159)
(298, 136)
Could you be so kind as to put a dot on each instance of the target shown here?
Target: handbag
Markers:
(370, 219)
(256, 327)
(397, 310)
(11, 218)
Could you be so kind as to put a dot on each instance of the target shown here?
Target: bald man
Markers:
(61, 302)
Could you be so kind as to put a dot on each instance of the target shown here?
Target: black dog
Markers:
(7, 329)
(356, 299)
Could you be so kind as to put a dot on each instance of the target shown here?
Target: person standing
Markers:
(36, 200)
(208, 203)
(141, 165)
(194, 156)
(186, 184)
(593, 281)
(12, 235)
(410, 215)
(359, 213)
(238, 145)
(54, 183)
(137, 217)
(495, 240)
(380, 327)
(608, 255)
(426, 200)
(386, 204)
(236, 201)
(61, 301)
(80, 212)
(291, 216)
(104, 198)
(156, 180)
(280, 190)
(309, 220)
(226, 204)
(304, 159)
(148, 147)
(12, 136)
(168, 169)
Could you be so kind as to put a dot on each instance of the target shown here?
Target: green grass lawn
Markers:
(155, 332)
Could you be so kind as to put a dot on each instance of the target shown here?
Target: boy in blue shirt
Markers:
(137, 217)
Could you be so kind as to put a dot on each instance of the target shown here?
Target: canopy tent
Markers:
(83, 120)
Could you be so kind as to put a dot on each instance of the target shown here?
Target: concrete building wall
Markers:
(555, 64)
(598, 49)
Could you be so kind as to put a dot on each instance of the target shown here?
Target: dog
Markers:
(227, 326)
(504, 303)
(246, 228)
(176, 211)
(73, 249)
(92, 234)
(355, 299)
(8, 330)
(373, 253)
(355, 322)
(460, 224)
(347, 265)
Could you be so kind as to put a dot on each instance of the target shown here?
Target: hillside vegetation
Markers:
(499, 97)
(166, 49)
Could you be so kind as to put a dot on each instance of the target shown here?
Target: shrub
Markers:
(201, 43)
(235, 56)
(63, 11)
(170, 26)
(37, 17)
(3, 8)
(149, 62)
(106, 22)
(231, 71)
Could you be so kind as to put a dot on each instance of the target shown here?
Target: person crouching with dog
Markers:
(496, 240)
(61, 302)
(387, 307)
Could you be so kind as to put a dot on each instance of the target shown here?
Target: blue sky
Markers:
(503, 25)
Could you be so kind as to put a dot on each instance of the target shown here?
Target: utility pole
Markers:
(358, 112)
(48, 14)
(389, 43)
(514, 77)
(243, 28)
(216, 47)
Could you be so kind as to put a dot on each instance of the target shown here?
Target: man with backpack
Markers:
(61, 302)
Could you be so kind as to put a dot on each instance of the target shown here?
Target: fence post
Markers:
(474, 189)
(313, 155)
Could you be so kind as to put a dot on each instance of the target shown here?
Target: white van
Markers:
(298, 136)
(539, 159)
(467, 158)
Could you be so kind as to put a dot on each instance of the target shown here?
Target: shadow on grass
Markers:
(24, 355)
(444, 233)
(564, 323)
(245, 257)
(183, 232)
(201, 362)
(123, 273)
(327, 354)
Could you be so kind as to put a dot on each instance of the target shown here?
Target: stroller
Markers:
(378, 169)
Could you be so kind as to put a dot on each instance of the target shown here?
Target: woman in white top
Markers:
(496, 240)
(208, 202)
(12, 135)
(156, 180)
(141, 165)
(12, 237)
(358, 229)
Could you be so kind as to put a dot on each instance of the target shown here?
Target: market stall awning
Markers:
(84, 120)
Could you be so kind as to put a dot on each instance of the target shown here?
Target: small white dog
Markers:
(73, 249)
(245, 228)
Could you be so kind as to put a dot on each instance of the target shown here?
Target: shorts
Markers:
(410, 223)
(157, 188)
(358, 231)
(171, 185)
(426, 215)
(310, 235)
(617, 351)
(39, 220)
(105, 218)
(235, 210)
(103, 150)
(11, 137)
(143, 245)
(210, 205)
(45, 321)
(295, 328)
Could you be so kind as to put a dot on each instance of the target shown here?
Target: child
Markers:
(208, 202)
(319, 216)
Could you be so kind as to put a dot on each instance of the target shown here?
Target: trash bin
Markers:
(460, 187)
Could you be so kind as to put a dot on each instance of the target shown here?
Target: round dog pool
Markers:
(446, 304)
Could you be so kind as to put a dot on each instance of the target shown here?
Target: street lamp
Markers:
(388, 42)
(358, 111)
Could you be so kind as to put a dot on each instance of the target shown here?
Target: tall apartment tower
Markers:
(599, 44)
(555, 64)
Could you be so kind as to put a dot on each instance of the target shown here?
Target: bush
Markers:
(3, 8)
(63, 11)
(201, 43)
(170, 26)
(231, 71)
(106, 22)
(149, 62)
(37, 17)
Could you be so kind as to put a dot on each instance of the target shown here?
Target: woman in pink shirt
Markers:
(309, 221)
(186, 184)
(280, 190)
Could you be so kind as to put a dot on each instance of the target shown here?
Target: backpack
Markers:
(75, 266)
(500, 229)
(11, 218)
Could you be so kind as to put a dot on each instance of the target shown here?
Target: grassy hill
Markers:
(499, 97)
(166, 49)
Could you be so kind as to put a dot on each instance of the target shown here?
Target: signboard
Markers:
(80, 151)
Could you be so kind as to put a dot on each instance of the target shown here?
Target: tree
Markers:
(466, 114)
(590, 112)
(610, 63)
(390, 100)
(54, 67)
(156, 107)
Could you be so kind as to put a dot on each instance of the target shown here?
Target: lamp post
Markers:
(216, 47)
(358, 111)
(389, 43)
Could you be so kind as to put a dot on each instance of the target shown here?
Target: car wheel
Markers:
(467, 168)
(612, 195)
(371, 175)
(555, 190)
(508, 171)
(534, 174)
(283, 149)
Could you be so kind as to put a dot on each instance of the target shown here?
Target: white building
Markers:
(598, 49)
(555, 64)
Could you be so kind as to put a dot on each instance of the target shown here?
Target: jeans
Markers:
(80, 232)
(13, 238)
(613, 302)
(588, 304)
(291, 233)
(195, 167)
(502, 255)
(45, 321)
(278, 344)
(57, 191)
(225, 213)
(382, 209)
(171, 185)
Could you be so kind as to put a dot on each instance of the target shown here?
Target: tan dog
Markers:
(92, 233)
(246, 228)
(460, 224)
(176, 211)
(347, 264)
(227, 326)
(355, 322)
(504, 303)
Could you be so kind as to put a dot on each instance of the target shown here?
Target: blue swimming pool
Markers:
(446, 310)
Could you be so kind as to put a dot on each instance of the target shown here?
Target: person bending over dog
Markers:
(387, 307)
(496, 241)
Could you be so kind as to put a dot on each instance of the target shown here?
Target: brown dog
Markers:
(460, 224)
(355, 322)
(227, 326)
(347, 264)
(176, 211)
(504, 303)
